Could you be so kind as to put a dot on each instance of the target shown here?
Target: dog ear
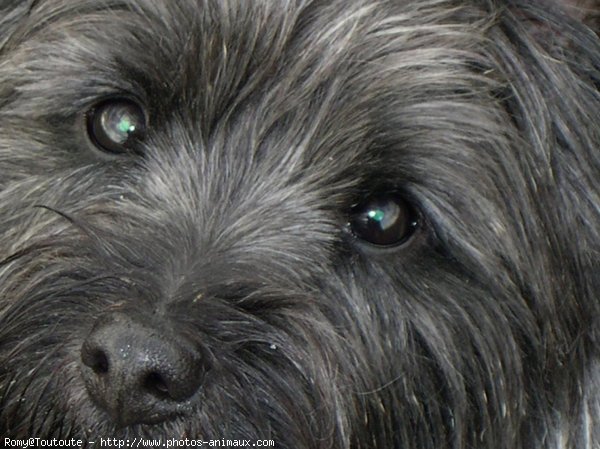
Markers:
(11, 13)
(586, 11)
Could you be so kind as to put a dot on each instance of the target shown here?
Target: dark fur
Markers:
(269, 120)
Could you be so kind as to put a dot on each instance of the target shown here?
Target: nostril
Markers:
(156, 384)
(97, 360)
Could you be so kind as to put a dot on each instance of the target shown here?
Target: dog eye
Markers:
(384, 220)
(114, 125)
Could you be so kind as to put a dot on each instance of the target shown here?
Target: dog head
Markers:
(333, 224)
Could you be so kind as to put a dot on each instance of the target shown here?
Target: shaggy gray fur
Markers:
(226, 232)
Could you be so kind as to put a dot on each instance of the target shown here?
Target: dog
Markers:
(333, 224)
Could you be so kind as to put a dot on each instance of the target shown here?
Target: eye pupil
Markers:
(383, 220)
(115, 125)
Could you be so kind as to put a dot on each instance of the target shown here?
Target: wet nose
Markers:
(138, 375)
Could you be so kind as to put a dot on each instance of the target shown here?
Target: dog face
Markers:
(341, 224)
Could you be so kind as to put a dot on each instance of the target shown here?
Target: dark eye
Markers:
(384, 220)
(115, 125)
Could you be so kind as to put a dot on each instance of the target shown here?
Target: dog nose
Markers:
(138, 375)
